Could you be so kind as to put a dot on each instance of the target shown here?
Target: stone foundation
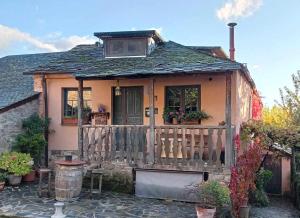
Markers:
(118, 176)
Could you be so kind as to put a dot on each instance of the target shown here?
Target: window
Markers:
(185, 97)
(70, 102)
(125, 47)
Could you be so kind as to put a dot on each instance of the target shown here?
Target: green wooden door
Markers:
(128, 107)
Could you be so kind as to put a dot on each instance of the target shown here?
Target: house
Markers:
(125, 83)
(17, 97)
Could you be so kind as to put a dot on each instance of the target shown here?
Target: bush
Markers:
(196, 115)
(3, 176)
(213, 193)
(32, 139)
(15, 163)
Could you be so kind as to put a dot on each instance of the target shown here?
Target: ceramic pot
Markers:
(244, 211)
(14, 180)
(2, 184)
(174, 121)
(205, 212)
(190, 122)
(30, 177)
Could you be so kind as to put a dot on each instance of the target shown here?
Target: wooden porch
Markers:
(176, 147)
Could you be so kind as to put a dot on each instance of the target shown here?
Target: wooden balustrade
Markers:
(176, 146)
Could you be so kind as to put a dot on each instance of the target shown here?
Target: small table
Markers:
(46, 188)
(94, 174)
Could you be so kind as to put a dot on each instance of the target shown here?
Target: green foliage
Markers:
(166, 114)
(290, 100)
(214, 193)
(3, 176)
(277, 117)
(32, 139)
(196, 115)
(259, 197)
(16, 163)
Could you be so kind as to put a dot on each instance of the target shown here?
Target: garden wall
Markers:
(11, 123)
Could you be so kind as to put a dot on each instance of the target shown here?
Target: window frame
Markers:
(69, 121)
(182, 99)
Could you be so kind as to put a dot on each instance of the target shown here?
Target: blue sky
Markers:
(267, 35)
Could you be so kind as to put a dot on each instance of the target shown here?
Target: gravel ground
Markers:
(279, 208)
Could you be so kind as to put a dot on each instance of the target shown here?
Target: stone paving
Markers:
(279, 208)
(24, 202)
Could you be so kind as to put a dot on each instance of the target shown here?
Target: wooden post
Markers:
(80, 108)
(228, 146)
(152, 122)
(46, 115)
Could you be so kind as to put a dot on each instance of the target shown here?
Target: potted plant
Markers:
(194, 117)
(17, 165)
(3, 176)
(213, 196)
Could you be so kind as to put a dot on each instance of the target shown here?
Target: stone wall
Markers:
(11, 123)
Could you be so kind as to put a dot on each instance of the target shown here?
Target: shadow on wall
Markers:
(4, 145)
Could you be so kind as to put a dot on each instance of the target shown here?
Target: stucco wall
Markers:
(286, 175)
(11, 123)
(212, 100)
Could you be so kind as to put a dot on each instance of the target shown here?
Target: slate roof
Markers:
(87, 61)
(14, 86)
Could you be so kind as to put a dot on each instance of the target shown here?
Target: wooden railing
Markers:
(183, 147)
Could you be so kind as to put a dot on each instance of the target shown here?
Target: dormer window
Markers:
(125, 47)
(129, 43)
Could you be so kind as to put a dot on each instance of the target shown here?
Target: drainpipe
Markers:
(231, 40)
(46, 116)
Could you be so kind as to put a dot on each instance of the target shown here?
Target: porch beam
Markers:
(80, 109)
(46, 116)
(229, 141)
(151, 121)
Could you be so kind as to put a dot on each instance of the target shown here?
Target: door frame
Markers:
(112, 102)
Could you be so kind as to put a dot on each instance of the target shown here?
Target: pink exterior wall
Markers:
(212, 100)
(286, 175)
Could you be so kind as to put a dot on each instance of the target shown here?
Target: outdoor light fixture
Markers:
(118, 89)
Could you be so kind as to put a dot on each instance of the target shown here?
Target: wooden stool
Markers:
(46, 188)
(96, 173)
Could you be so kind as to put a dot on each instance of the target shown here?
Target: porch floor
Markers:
(23, 202)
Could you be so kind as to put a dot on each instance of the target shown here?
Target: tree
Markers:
(277, 116)
(290, 100)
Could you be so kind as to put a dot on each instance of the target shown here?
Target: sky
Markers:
(267, 35)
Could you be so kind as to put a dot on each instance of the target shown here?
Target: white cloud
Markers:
(9, 36)
(234, 9)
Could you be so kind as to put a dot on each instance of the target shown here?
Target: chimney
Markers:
(231, 40)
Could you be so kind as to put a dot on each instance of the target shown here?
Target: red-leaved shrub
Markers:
(243, 176)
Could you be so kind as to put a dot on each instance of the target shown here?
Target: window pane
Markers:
(173, 98)
(71, 102)
(125, 47)
(191, 99)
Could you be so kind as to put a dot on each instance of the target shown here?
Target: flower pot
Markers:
(30, 177)
(2, 184)
(190, 122)
(174, 121)
(205, 212)
(14, 180)
(244, 211)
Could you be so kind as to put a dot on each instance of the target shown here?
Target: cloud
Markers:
(234, 9)
(55, 43)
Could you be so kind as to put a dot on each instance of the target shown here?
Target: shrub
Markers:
(15, 163)
(213, 193)
(259, 197)
(32, 139)
(3, 176)
(243, 177)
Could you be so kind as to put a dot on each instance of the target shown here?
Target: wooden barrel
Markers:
(68, 181)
